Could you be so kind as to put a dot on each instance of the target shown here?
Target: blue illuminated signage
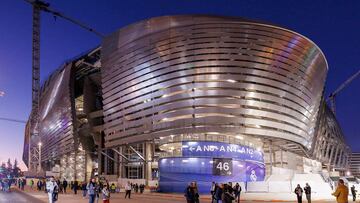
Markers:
(218, 149)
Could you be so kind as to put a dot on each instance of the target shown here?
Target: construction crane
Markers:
(12, 120)
(2, 93)
(39, 6)
(333, 95)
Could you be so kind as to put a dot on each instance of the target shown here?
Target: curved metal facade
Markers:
(177, 75)
(56, 120)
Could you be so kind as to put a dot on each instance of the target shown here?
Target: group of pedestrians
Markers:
(133, 187)
(220, 193)
(225, 192)
(191, 193)
(341, 193)
(93, 189)
(97, 190)
(299, 192)
(5, 184)
(21, 182)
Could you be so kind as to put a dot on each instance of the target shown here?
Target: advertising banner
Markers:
(177, 172)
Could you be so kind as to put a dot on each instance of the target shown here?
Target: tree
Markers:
(9, 165)
(16, 170)
(3, 170)
(16, 163)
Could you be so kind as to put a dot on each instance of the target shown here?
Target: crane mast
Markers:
(33, 152)
(34, 162)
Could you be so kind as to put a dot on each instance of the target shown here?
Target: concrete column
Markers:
(319, 150)
(328, 146)
(88, 166)
(148, 158)
(116, 164)
(281, 158)
(100, 165)
(337, 153)
(106, 161)
(341, 153)
(345, 160)
(270, 154)
(121, 164)
(331, 156)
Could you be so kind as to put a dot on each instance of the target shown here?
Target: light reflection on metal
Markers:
(52, 96)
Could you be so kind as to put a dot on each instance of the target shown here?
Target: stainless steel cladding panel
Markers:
(56, 123)
(199, 74)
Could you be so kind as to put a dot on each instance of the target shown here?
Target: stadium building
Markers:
(175, 99)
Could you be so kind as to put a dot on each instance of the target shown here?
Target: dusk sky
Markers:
(333, 25)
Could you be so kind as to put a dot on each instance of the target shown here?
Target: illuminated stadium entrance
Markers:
(207, 161)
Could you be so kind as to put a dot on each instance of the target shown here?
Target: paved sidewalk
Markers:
(15, 196)
(165, 198)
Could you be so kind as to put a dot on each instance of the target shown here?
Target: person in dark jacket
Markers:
(307, 190)
(65, 185)
(353, 192)
(196, 192)
(83, 188)
(39, 185)
(75, 186)
(212, 191)
(219, 192)
(189, 194)
(237, 192)
(298, 191)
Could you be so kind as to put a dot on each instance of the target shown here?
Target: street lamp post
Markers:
(39, 144)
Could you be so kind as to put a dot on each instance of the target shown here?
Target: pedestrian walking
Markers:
(91, 190)
(307, 190)
(142, 187)
(43, 185)
(32, 184)
(23, 183)
(76, 187)
(353, 192)
(237, 191)
(218, 193)
(189, 193)
(98, 190)
(341, 193)
(52, 190)
(39, 185)
(83, 188)
(128, 190)
(212, 191)
(136, 188)
(18, 183)
(65, 185)
(196, 192)
(105, 194)
(298, 191)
